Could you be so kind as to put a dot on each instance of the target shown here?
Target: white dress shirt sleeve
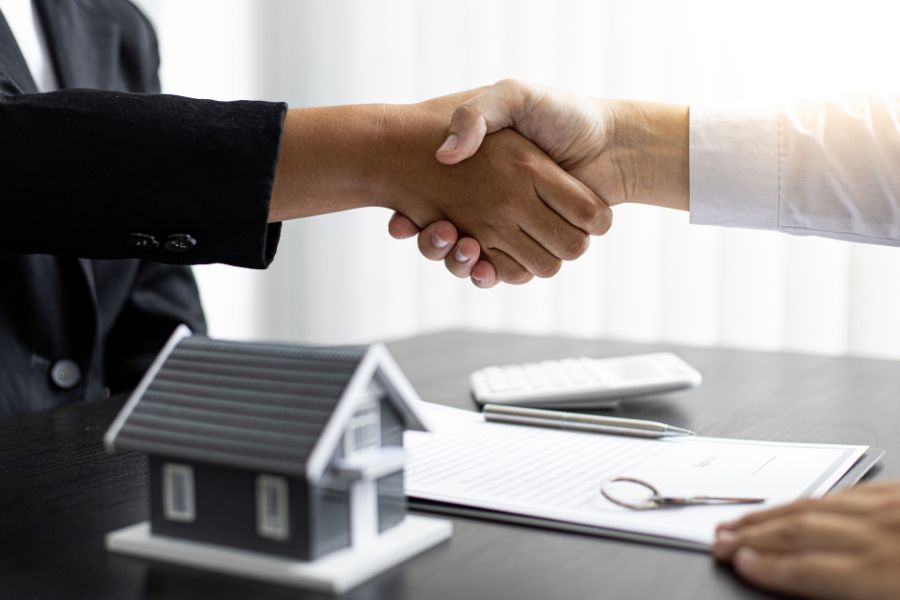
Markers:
(817, 168)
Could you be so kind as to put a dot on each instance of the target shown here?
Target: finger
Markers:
(857, 501)
(808, 574)
(523, 248)
(485, 113)
(562, 239)
(508, 270)
(436, 240)
(792, 533)
(572, 200)
(401, 227)
(484, 275)
(463, 257)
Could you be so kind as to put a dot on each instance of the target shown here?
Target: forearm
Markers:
(821, 168)
(329, 161)
(650, 148)
(114, 175)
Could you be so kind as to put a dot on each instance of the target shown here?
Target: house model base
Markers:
(335, 573)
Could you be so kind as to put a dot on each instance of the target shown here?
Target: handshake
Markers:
(547, 185)
(518, 183)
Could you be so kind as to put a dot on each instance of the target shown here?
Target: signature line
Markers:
(762, 467)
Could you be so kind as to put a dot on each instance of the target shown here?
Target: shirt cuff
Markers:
(734, 167)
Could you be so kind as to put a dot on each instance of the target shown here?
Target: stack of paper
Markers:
(553, 477)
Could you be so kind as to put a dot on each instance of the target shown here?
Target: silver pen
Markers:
(569, 421)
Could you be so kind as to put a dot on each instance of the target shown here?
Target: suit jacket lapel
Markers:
(84, 48)
(83, 44)
(12, 63)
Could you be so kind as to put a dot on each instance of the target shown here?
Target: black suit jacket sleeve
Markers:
(106, 174)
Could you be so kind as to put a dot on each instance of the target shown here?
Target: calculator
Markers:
(582, 382)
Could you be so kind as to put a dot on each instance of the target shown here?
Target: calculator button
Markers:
(515, 377)
(575, 371)
(536, 376)
(554, 373)
(635, 370)
(594, 369)
(496, 380)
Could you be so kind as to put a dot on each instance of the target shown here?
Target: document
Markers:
(555, 475)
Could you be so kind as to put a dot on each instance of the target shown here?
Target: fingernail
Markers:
(437, 242)
(449, 144)
(745, 558)
(459, 256)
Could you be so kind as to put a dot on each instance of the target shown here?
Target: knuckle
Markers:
(548, 268)
(575, 246)
(463, 109)
(510, 84)
(795, 529)
(604, 222)
(592, 213)
(525, 278)
(465, 115)
(516, 276)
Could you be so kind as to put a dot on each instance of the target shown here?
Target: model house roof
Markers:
(267, 407)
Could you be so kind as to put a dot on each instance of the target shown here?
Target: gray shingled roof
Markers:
(258, 406)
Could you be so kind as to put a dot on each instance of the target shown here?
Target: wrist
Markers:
(404, 158)
(328, 162)
(651, 143)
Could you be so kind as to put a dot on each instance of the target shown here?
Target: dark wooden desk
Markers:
(59, 492)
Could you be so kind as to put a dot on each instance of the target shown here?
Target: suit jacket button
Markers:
(65, 374)
(142, 241)
(180, 242)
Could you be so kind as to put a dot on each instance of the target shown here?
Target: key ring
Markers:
(649, 504)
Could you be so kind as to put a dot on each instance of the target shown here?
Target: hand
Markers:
(623, 151)
(526, 213)
(842, 546)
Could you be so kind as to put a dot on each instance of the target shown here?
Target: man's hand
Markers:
(623, 151)
(842, 546)
(526, 213)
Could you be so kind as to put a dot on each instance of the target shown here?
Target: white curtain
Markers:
(340, 278)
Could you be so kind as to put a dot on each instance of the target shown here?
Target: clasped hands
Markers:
(584, 156)
(570, 159)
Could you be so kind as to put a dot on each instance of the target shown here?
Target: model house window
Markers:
(272, 512)
(364, 430)
(178, 493)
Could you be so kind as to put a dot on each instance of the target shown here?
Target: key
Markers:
(656, 500)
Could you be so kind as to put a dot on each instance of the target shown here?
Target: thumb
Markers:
(485, 113)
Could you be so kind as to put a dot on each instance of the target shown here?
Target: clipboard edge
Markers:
(863, 465)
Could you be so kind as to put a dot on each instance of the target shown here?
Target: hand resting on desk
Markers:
(842, 546)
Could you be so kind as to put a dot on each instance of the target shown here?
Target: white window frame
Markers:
(171, 510)
(279, 527)
(364, 429)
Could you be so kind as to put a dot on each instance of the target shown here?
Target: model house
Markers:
(284, 450)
